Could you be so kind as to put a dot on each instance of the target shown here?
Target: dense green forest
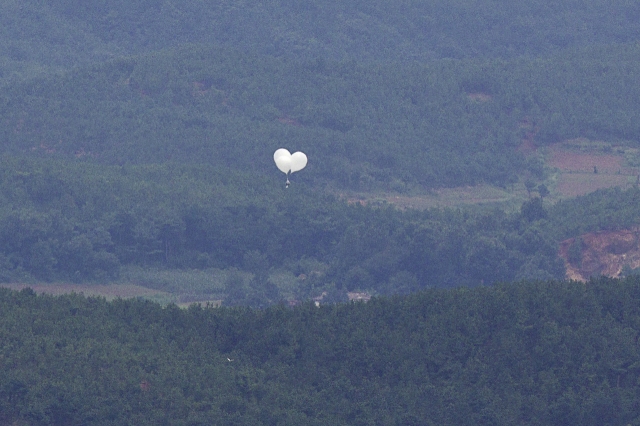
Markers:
(154, 164)
(380, 94)
(41, 36)
(397, 126)
(530, 353)
(136, 144)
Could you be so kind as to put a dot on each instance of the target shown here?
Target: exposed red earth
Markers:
(602, 253)
(581, 171)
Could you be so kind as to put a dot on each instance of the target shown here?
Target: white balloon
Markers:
(280, 152)
(298, 161)
(282, 157)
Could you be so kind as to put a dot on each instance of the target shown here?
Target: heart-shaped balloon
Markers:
(298, 161)
(282, 157)
(287, 162)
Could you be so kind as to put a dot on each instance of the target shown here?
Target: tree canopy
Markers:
(245, 239)
(527, 353)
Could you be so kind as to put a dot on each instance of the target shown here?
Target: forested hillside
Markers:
(367, 88)
(530, 353)
(40, 36)
(137, 139)
(394, 126)
(136, 147)
(258, 243)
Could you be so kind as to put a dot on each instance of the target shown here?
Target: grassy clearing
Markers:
(581, 166)
(472, 196)
(182, 287)
(574, 167)
(108, 291)
(194, 282)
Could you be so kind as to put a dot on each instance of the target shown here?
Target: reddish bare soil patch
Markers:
(584, 171)
(572, 185)
(571, 161)
(601, 253)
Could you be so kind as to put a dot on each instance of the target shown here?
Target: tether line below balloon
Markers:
(289, 163)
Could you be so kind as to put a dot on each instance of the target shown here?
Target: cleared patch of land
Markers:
(581, 166)
(572, 185)
(606, 253)
(114, 291)
(108, 291)
(448, 197)
(575, 167)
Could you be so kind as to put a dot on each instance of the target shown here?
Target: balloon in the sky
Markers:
(289, 163)
(280, 152)
(298, 161)
(282, 157)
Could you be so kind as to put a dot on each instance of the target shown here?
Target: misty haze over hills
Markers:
(136, 160)
(180, 105)
(41, 35)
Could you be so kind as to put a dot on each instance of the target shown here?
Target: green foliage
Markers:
(156, 169)
(533, 210)
(189, 230)
(215, 106)
(527, 353)
(393, 125)
(155, 165)
(611, 210)
(574, 253)
(39, 36)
